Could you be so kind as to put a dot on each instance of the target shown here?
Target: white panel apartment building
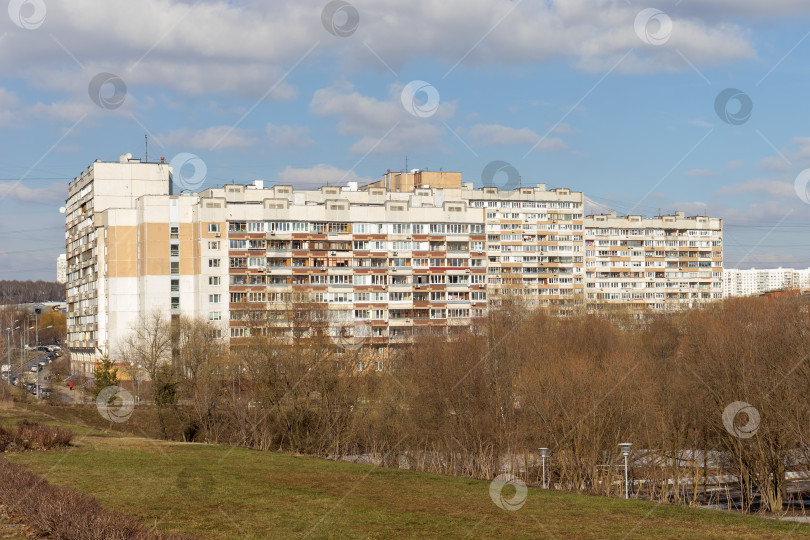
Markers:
(662, 263)
(102, 297)
(753, 281)
(61, 268)
(414, 253)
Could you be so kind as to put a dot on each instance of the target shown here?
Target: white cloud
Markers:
(247, 49)
(775, 163)
(383, 126)
(212, 138)
(8, 104)
(293, 136)
(564, 129)
(319, 175)
(767, 186)
(18, 191)
(735, 164)
(785, 159)
(497, 135)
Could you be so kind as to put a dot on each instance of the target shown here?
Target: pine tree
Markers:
(106, 375)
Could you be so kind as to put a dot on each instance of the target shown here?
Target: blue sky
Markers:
(613, 98)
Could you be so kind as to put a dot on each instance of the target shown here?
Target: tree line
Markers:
(703, 395)
(22, 292)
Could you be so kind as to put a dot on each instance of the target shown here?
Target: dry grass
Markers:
(214, 491)
(64, 513)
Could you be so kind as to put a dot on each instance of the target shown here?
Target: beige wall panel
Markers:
(122, 251)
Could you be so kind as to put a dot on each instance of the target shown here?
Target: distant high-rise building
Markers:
(738, 282)
(61, 269)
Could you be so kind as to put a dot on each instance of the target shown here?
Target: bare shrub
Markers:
(46, 437)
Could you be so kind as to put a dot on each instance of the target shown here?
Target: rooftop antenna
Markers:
(406, 162)
(146, 148)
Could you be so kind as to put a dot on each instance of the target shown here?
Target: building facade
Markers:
(105, 265)
(415, 253)
(61, 268)
(737, 282)
(663, 263)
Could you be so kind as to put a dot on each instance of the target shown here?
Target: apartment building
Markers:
(663, 263)
(738, 282)
(61, 268)
(105, 265)
(415, 253)
(389, 264)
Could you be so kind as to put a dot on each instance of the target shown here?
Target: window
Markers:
(174, 268)
(213, 244)
(174, 250)
(215, 316)
(175, 302)
(213, 228)
(174, 232)
(456, 228)
(213, 263)
(175, 285)
(213, 280)
(257, 262)
(214, 298)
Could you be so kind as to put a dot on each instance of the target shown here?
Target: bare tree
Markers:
(150, 344)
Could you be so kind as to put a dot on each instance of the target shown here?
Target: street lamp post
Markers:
(625, 449)
(543, 456)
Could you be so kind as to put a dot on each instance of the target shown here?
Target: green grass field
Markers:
(221, 492)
